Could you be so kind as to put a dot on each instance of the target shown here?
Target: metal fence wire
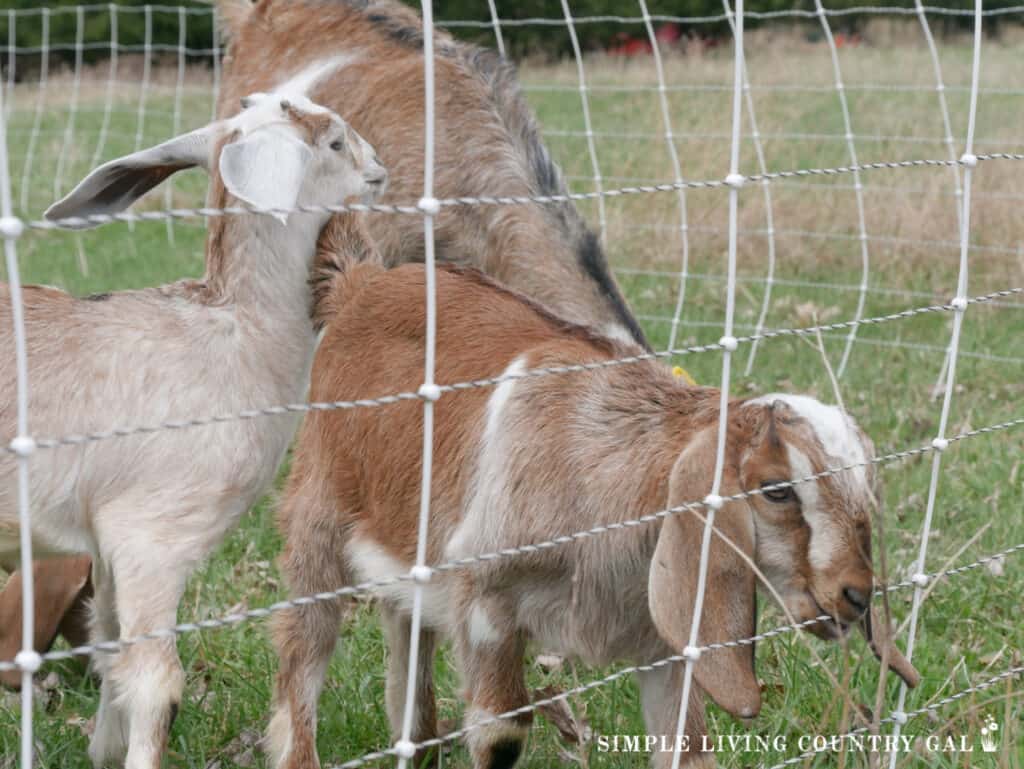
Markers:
(961, 161)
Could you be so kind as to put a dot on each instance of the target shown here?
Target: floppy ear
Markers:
(114, 186)
(59, 583)
(265, 169)
(729, 612)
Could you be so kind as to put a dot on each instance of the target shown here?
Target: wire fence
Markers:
(962, 163)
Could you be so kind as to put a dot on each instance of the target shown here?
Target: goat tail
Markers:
(346, 257)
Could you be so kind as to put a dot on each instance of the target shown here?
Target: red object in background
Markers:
(627, 45)
(667, 35)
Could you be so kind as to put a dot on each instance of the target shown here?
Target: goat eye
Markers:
(338, 145)
(778, 495)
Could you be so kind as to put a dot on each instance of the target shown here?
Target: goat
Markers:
(150, 507)
(365, 60)
(531, 460)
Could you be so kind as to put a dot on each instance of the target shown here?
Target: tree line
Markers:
(543, 40)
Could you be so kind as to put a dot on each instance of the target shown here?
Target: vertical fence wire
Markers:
(766, 191)
(69, 129)
(69, 124)
(108, 96)
(28, 659)
(499, 39)
(147, 55)
(176, 118)
(430, 392)
(37, 120)
(713, 502)
(588, 126)
(960, 306)
(12, 59)
(215, 47)
(858, 188)
(673, 153)
(940, 89)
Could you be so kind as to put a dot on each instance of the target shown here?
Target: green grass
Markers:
(970, 627)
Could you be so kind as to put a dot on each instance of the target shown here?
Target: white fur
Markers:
(303, 81)
(371, 562)
(618, 333)
(481, 630)
(823, 543)
(487, 480)
(831, 424)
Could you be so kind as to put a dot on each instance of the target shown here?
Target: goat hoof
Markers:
(503, 754)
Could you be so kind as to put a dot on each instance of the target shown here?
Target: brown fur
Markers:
(313, 126)
(487, 144)
(62, 589)
(345, 256)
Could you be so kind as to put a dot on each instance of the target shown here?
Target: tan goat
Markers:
(525, 462)
(150, 507)
(488, 143)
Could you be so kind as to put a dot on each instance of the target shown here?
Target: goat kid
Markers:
(149, 508)
(530, 460)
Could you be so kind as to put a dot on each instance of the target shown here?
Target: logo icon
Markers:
(988, 734)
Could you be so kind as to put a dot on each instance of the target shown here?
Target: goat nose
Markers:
(856, 598)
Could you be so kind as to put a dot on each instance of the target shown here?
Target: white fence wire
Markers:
(24, 444)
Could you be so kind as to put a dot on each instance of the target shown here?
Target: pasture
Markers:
(970, 626)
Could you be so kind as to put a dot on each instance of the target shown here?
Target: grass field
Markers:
(970, 626)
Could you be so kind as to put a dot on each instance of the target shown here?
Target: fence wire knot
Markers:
(11, 227)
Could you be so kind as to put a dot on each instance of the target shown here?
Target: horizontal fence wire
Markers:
(670, 660)
(511, 552)
(903, 717)
(821, 14)
(502, 200)
(897, 344)
(386, 400)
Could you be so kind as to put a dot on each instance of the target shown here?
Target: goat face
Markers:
(811, 541)
(280, 152)
(321, 160)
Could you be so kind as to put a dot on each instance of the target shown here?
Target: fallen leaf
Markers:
(575, 731)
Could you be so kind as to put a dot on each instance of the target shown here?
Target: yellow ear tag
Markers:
(679, 371)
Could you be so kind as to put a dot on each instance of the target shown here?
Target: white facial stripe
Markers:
(823, 543)
(834, 428)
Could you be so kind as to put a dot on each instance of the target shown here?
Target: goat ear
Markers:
(114, 186)
(265, 169)
(58, 585)
(726, 674)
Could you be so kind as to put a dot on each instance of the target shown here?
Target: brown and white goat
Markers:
(365, 60)
(149, 508)
(528, 461)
